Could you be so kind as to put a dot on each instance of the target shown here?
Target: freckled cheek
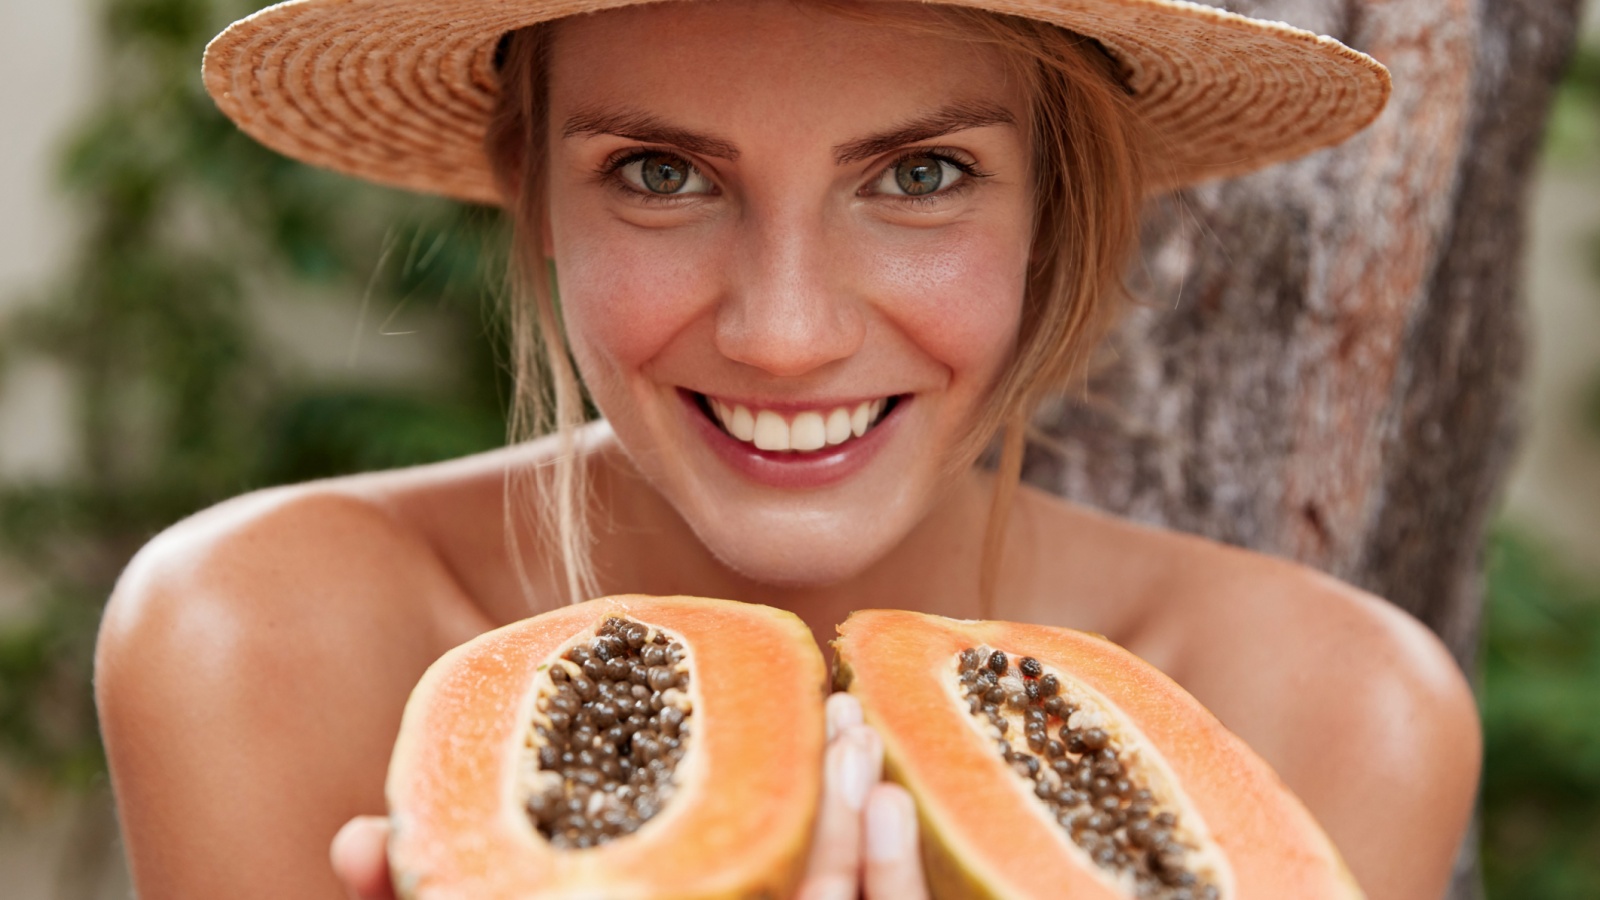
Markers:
(957, 295)
(626, 293)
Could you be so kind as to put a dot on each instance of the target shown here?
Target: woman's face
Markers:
(791, 250)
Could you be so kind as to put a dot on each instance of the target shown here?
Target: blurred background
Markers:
(184, 317)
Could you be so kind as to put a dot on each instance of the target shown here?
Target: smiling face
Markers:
(791, 248)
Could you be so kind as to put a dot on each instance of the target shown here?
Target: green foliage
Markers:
(1541, 784)
(181, 399)
(1575, 118)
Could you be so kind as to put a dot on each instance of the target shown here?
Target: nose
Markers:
(789, 307)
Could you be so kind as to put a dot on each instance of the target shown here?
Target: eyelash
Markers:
(616, 161)
(969, 170)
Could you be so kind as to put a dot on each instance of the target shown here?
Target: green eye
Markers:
(919, 175)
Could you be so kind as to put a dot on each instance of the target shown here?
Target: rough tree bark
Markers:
(1328, 358)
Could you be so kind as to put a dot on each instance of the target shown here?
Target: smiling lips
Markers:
(803, 433)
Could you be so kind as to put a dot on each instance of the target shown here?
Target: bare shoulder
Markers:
(251, 669)
(1357, 705)
(263, 564)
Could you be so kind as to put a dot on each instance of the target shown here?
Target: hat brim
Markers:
(401, 92)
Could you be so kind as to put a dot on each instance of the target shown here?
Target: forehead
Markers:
(792, 65)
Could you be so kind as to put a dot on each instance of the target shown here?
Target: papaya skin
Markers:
(892, 662)
(459, 831)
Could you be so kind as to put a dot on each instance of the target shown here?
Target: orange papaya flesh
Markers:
(731, 780)
(1213, 819)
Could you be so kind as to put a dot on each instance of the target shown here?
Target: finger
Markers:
(843, 712)
(360, 859)
(893, 867)
(853, 763)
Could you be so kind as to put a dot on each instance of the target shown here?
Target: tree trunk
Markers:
(1328, 358)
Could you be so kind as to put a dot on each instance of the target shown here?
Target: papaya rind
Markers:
(1274, 846)
(459, 833)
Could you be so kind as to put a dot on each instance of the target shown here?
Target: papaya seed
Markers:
(1080, 776)
(968, 661)
(623, 732)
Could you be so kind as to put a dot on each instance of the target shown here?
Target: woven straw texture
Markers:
(400, 91)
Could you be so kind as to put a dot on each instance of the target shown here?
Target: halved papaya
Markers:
(1052, 763)
(627, 747)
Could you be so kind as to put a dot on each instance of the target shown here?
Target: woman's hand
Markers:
(865, 845)
(361, 860)
(866, 839)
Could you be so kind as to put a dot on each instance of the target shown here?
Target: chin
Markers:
(800, 555)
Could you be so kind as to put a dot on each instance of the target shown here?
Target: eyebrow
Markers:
(648, 129)
(948, 120)
(645, 128)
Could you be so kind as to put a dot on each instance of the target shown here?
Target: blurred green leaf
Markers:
(181, 398)
(1574, 135)
(328, 433)
(1541, 714)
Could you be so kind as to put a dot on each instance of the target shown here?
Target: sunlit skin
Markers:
(255, 658)
(782, 276)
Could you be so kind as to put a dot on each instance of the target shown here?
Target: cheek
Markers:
(626, 293)
(957, 294)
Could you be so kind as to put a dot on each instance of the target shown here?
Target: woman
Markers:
(812, 258)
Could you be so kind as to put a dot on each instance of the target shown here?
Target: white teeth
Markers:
(839, 426)
(742, 424)
(861, 418)
(809, 431)
(772, 432)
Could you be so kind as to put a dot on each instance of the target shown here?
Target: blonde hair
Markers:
(1090, 177)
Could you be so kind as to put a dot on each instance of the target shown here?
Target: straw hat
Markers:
(401, 91)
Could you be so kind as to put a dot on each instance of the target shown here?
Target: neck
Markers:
(934, 569)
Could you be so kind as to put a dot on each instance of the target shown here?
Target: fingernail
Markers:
(849, 770)
(888, 827)
(843, 712)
